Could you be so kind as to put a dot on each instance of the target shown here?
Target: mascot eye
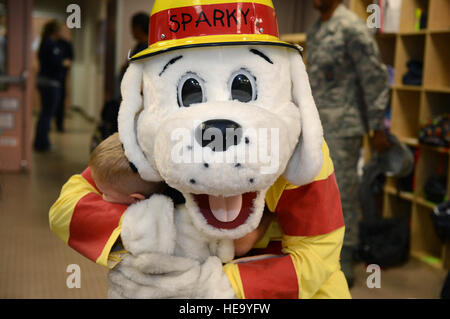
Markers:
(243, 86)
(190, 90)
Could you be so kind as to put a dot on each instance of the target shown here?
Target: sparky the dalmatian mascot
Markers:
(220, 90)
(221, 109)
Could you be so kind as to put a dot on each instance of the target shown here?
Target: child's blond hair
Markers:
(109, 165)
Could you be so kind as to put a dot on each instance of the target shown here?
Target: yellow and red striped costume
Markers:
(306, 236)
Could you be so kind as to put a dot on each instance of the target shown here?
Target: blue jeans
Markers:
(50, 97)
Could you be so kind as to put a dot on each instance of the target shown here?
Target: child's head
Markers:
(114, 177)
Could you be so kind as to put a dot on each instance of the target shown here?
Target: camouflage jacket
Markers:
(349, 83)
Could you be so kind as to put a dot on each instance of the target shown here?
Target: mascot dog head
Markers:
(220, 117)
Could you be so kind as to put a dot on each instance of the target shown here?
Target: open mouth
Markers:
(226, 212)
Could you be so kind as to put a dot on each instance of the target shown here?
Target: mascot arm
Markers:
(84, 221)
(312, 222)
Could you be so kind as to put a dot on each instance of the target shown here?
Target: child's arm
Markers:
(84, 221)
(243, 245)
(91, 226)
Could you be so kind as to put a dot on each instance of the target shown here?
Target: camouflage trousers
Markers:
(345, 154)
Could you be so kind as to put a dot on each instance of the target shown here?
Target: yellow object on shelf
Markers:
(418, 14)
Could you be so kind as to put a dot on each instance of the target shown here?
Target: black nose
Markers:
(219, 134)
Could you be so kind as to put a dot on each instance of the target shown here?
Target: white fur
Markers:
(154, 276)
(129, 108)
(213, 283)
(223, 249)
(307, 160)
(194, 244)
(152, 226)
(148, 226)
(138, 278)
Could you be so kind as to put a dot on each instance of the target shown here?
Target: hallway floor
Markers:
(33, 261)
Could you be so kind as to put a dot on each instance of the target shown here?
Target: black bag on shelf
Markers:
(435, 189)
(415, 73)
(384, 242)
(441, 221)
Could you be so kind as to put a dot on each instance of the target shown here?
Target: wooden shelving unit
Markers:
(411, 106)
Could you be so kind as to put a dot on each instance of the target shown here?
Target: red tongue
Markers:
(225, 209)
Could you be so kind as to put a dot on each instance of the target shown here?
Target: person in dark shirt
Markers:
(49, 80)
(139, 28)
(68, 56)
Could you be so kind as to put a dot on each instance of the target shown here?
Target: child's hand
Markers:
(243, 245)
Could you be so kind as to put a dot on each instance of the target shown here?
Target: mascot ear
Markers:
(307, 159)
(129, 108)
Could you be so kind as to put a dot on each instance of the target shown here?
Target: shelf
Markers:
(403, 195)
(438, 89)
(386, 44)
(410, 197)
(429, 165)
(424, 239)
(410, 141)
(439, 15)
(396, 205)
(412, 106)
(299, 38)
(408, 16)
(437, 62)
(434, 103)
(405, 114)
(437, 149)
(425, 203)
(413, 33)
(391, 35)
(408, 48)
(360, 8)
(428, 259)
(386, 35)
(439, 31)
(408, 87)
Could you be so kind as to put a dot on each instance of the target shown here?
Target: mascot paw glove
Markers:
(164, 276)
(148, 226)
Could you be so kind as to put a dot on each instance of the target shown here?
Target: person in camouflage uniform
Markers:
(351, 88)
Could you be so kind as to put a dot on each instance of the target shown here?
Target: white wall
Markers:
(51, 8)
(88, 67)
